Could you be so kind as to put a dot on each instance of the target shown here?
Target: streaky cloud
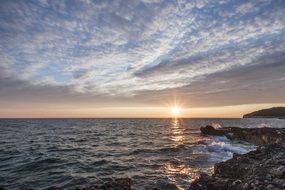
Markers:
(119, 51)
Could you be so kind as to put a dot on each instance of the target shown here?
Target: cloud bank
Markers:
(208, 53)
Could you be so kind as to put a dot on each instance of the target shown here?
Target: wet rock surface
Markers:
(257, 136)
(261, 169)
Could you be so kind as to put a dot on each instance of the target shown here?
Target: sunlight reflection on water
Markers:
(177, 129)
(79, 152)
(176, 168)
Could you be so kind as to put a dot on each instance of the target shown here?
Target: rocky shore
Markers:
(261, 169)
(257, 136)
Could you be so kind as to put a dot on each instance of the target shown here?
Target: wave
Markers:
(41, 164)
(220, 148)
(216, 125)
(264, 125)
(41, 152)
(160, 150)
(173, 149)
(228, 147)
(100, 162)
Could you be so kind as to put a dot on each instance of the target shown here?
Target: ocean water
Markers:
(39, 153)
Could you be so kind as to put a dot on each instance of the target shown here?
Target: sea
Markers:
(68, 153)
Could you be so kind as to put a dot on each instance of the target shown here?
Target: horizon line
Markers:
(122, 118)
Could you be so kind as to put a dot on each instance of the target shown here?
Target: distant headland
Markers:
(275, 112)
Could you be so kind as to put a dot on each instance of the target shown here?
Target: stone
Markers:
(261, 169)
(268, 177)
(118, 184)
(279, 172)
(257, 136)
(210, 130)
(237, 185)
(278, 182)
(269, 187)
(245, 186)
(236, 155)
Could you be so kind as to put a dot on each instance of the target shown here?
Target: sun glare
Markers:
(175, 111)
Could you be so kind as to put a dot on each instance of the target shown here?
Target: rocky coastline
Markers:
(261, 169)
(257, 136)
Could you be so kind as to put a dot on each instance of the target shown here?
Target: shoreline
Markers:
(263, 168)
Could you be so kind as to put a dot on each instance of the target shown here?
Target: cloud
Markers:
(123, 50)
(47, 92)
(252, 84)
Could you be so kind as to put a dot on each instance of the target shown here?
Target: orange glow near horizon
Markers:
(83, 111)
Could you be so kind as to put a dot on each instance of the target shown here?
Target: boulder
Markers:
(257, 136)
(279, 171)
(259, 169)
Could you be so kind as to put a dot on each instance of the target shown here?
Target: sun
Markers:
(175, 111)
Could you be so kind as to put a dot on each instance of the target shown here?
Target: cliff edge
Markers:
(276, 112)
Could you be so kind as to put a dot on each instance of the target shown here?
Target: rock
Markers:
(268, 177)
(237, 185)
(199, 183)
(117, 184)
(257, 136)
(278, 182)
(279, 172)
(248, 171)
(270, 187)
(210, 130)
(236, 155)
(252, 170)
(245, 186)
(164, 185)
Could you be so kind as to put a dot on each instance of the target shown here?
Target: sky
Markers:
(84, 58)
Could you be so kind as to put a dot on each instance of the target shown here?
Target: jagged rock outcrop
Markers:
(276, 112)
(261, 169)
(257, 136)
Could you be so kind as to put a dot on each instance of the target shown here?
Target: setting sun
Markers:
(175, 111)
